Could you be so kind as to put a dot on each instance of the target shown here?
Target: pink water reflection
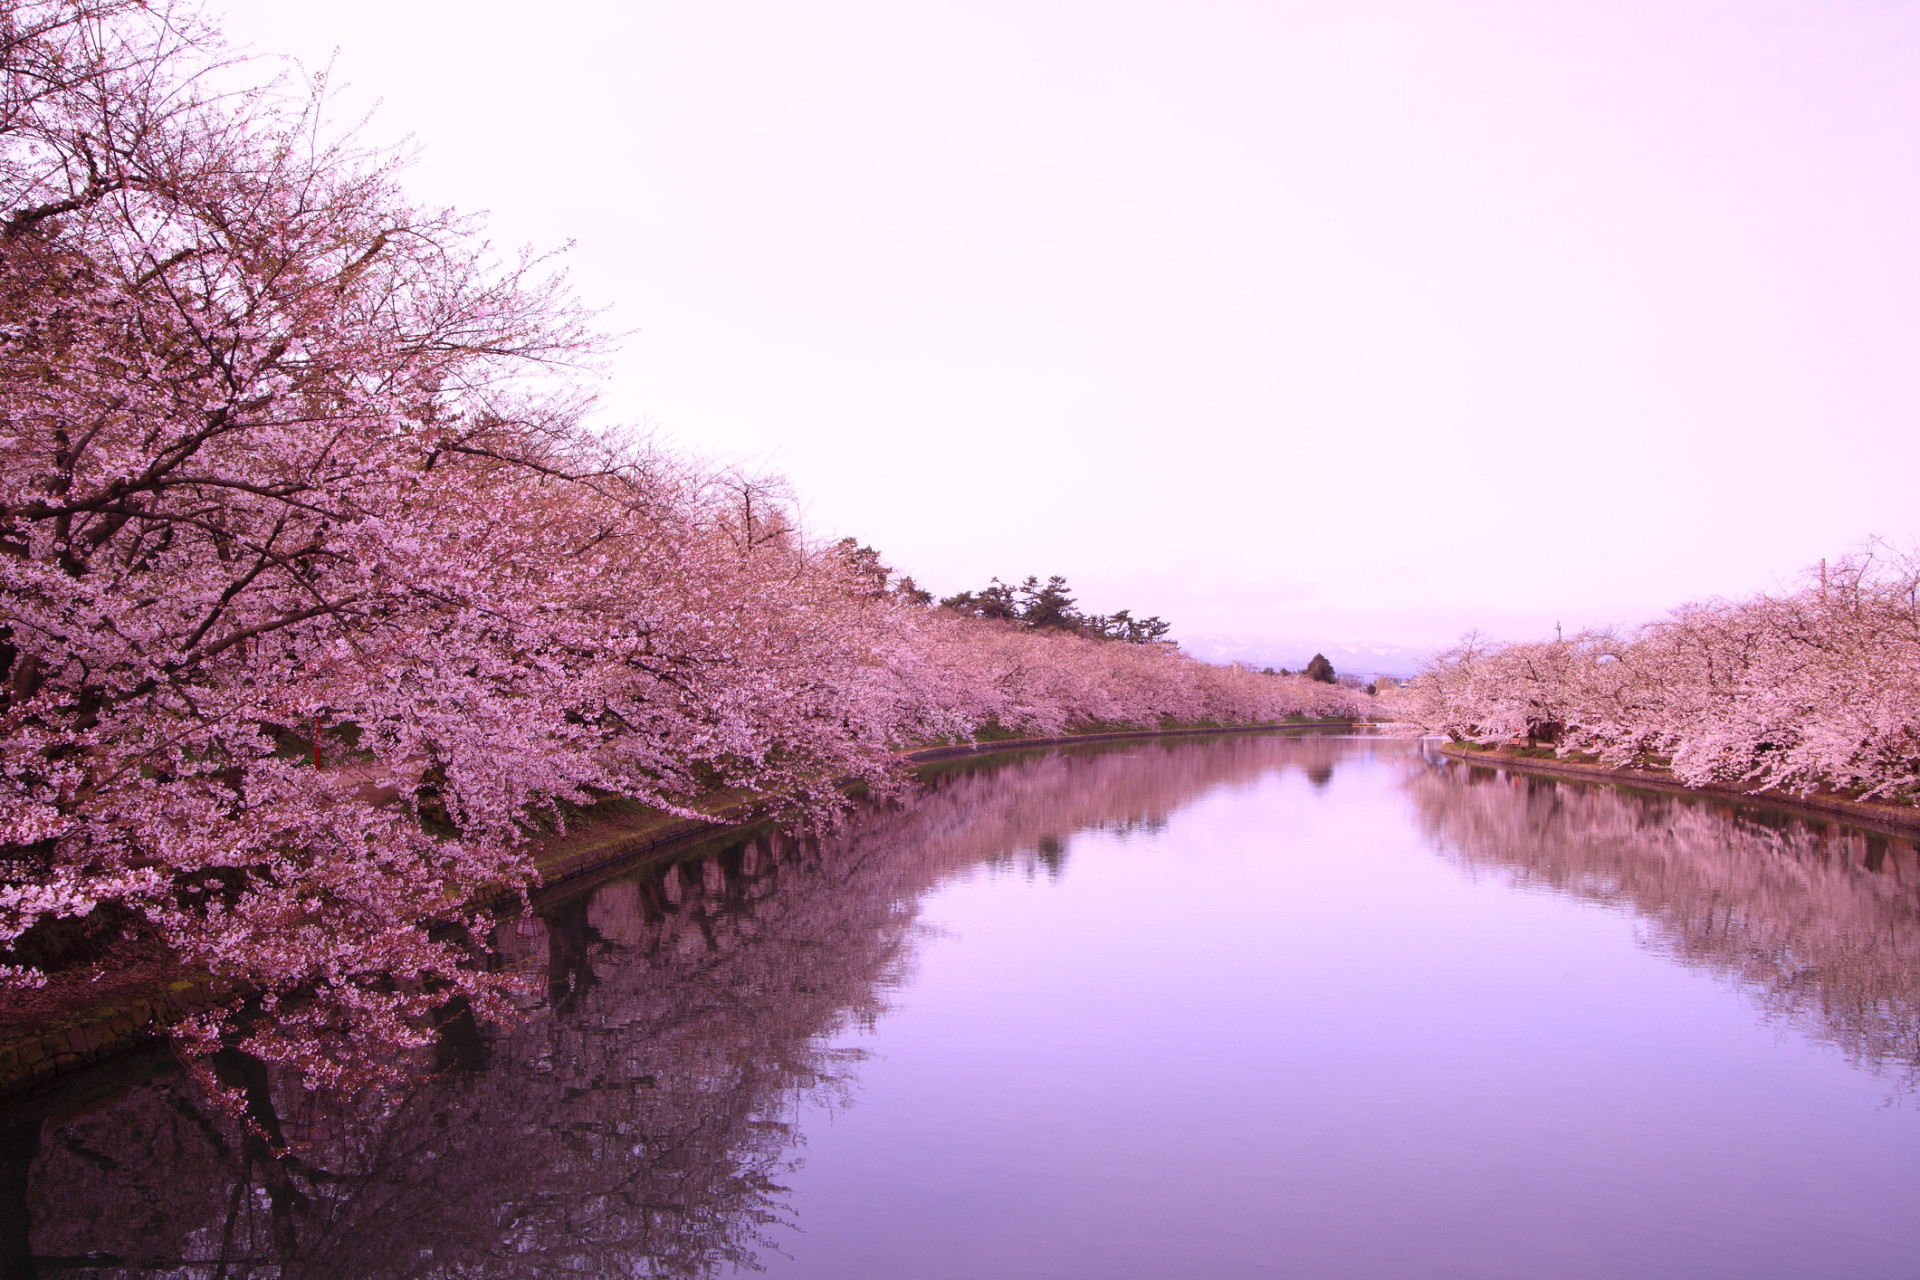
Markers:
(1254, 1007)
(1280, 1036)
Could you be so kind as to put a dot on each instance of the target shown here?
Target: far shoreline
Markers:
(1887, 818)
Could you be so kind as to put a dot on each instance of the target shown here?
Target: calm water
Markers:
(1246, 1007)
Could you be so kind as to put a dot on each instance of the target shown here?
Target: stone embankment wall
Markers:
(58, 1050)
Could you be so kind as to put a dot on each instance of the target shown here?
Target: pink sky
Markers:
(1330, 320)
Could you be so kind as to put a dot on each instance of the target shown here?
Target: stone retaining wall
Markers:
(39, 1059)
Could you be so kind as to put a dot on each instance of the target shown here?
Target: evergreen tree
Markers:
(995, 600)
(1049, 606)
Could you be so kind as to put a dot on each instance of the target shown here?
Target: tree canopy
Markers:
(322, 599)
(1050, 606)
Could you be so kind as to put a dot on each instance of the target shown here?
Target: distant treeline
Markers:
(1052, 607)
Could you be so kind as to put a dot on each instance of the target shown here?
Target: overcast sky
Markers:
(1341, 320)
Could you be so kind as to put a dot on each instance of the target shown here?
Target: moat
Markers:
(1248, 1006)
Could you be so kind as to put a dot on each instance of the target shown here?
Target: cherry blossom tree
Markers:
(1817, 689)
(321, 594)
(317, 589)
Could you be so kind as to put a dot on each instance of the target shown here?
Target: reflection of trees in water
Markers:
(1818, 922)
(636, 1122)
(1023, 816)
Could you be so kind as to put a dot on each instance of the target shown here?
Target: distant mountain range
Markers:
(1350, 659)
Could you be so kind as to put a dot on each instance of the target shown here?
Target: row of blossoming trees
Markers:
(1817, 689)
(320, 593)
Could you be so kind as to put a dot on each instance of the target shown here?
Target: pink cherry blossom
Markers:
(1816, 690)
(324, 598)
